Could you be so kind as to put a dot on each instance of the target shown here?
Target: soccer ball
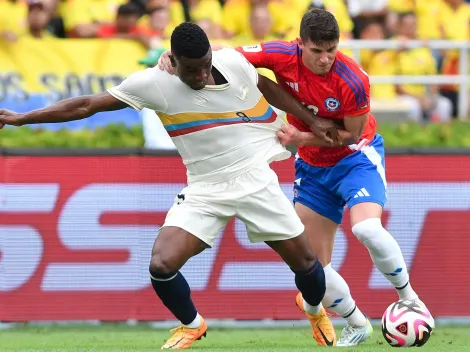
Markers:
(407, 323)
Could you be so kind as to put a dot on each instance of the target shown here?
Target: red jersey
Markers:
(342, 93)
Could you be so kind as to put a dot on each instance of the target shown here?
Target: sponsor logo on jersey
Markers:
(252, 48)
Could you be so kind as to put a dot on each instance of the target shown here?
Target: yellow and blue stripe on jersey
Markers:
(189, 122)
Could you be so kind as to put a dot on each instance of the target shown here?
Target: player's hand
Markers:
(325, 129)
(8, 117)
(288, 134)
(164, 63)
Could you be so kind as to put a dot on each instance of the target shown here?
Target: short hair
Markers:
(189, 40)
(130, 9)
(319, 26)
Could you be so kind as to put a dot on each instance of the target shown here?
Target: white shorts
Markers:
(254, 197)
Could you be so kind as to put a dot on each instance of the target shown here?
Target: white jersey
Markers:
(220, 131)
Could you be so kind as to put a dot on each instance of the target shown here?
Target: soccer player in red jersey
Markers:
(329, 177)
(333, 86)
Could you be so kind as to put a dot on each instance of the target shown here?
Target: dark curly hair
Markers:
(319, 26)
(189, 40)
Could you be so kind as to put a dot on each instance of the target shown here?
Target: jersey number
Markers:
(243, 116)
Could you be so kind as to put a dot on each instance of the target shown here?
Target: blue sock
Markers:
(311, 283)
(174, 291)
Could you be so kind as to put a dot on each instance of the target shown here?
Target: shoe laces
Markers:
(179, 331)
(347, 332)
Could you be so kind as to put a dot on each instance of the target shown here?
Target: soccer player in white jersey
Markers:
(218, 113)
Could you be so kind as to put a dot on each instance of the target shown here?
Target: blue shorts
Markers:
(358, 178)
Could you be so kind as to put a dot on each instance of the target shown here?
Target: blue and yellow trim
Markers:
(189, 122)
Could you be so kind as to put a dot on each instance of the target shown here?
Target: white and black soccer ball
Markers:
(407, 323)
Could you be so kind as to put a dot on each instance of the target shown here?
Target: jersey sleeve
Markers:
(141, 90)
(355, 90)
(269, 55)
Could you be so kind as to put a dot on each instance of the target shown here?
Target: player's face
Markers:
(318, 58)
(193, 72)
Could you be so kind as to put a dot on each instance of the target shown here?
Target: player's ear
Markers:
(172, 60)
(300, 42)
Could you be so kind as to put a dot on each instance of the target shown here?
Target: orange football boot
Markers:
(323, 330)
(184, 337)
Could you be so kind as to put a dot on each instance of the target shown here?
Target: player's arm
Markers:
(260, 56)
(356, 98)
(352, 132)
(66, 110)
(283, 100)
(355, 91)
(136, 91)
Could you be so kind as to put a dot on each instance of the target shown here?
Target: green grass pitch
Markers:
(142, 338)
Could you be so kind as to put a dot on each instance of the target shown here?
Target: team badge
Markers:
(332, 104)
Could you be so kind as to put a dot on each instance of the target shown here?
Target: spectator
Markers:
(378, 62)
(208, 15)
(161, 17)
(427, 103)
(125, 26)
(36, 19)
(363, 10)
(13, 19)
(260, 29)
(336, 7)
(83, 18)
(56, 23)
(455, 25)
(428, 13)
(236, 13)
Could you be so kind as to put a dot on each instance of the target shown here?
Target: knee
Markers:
(368, 230)
(304, 262)
(162, 263)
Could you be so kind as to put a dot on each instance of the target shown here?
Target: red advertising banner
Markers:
(76, 235)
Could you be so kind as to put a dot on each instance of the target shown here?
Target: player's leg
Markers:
(365, 192)
(190, 226)
(321, 212)
(172, 249)
(310, 281)
(321, 233)
(270, 217)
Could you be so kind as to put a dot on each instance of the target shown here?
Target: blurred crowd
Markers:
(244, 22)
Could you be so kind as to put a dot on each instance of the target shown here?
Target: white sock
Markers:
(406, 292)
(312, 309)
(195, 323)
(338, 298)
(385, 253)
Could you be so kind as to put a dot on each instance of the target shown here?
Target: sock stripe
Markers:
(402, 287)
(312, 269)
(349, 314)
(168, 279)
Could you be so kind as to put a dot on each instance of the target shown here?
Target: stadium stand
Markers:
(82, 46)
